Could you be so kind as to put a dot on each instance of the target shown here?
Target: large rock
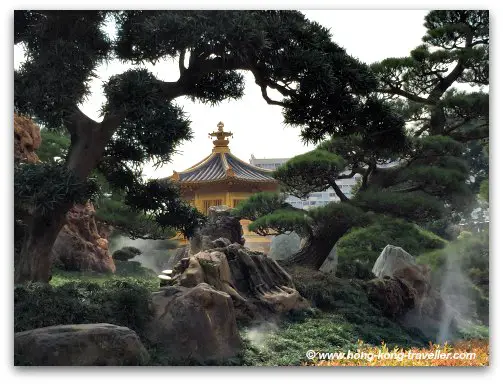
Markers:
(283, 246)
(79, 246)
(330, 263)
(393, 296)
(79, 344)
(391, 259)
(195, 323)
(27, 139)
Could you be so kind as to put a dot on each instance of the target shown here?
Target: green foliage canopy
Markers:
(421, 86)
(310, 172)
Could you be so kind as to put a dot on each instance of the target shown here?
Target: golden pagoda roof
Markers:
(221, 164)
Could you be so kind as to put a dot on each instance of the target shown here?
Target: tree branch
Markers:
(337, 190)
(456, 126)
(266, 97)
(477, 42)
(355, 170)
(341, 177)
(262, 82)
(469, 136)
(112, 120)
(285, 91)
(447, 81)
(366, 175)
(408, 95)
(77, 119)
(173, 89)
(181, 62)
(408, 189)
(421, 130)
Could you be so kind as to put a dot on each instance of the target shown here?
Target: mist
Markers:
(259, 334)
(155, 254)
(455, 290)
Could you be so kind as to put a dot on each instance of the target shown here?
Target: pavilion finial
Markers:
(221, 135)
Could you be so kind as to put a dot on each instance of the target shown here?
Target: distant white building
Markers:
(315, 199)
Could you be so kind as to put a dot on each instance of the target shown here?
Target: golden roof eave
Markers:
(222, 169)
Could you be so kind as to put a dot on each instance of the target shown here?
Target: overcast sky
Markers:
(369, 35)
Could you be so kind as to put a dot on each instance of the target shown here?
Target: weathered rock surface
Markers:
(26, 139)
(393, 296)
(178, 254)
(257, 284)
(220, 225)
(391, 259)
(283, 246)
(79, 245)
(195, 323)
(79, 344)
(330, 263)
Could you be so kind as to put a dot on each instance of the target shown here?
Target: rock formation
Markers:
(396, 264)
(391, 259)
(26, 139)
(220, 225)
(257, 284)
(403, 290)
(79, 344)
(79, 246)
(196, 323)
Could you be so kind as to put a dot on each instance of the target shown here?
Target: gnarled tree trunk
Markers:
(89, 139)
(313, 253)
(34, 259)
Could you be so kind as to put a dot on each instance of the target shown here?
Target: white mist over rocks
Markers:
(155, 254)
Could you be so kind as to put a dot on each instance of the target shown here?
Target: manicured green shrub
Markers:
(358, 250)
(117, 301)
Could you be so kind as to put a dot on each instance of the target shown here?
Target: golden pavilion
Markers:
(223, 179)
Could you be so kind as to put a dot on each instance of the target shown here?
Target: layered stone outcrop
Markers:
(80, 246)
(257, 284)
